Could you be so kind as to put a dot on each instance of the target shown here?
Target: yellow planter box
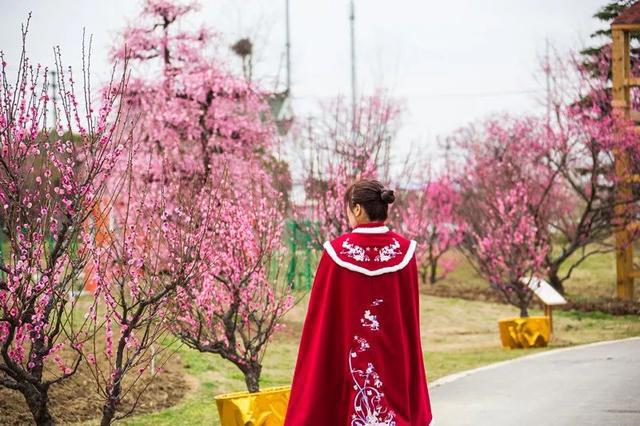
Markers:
(530, 332)
(264, 408)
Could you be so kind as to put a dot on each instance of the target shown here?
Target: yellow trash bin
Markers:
(529, 332)
(264, 408)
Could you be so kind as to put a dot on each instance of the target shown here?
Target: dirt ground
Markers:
(77, 400)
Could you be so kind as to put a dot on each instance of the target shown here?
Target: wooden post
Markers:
(547, 312)
(620, 72)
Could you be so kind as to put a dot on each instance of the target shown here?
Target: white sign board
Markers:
(544, 291)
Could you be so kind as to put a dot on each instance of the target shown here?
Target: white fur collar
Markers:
(371, 230)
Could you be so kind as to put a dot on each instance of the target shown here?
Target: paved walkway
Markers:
(594, 384)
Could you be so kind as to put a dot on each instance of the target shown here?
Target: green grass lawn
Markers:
(594, 278)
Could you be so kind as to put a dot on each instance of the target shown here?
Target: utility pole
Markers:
(548, 72)
(352, 18)
(54, 87)
(288, 50)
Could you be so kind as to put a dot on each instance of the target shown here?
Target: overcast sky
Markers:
(450, 62)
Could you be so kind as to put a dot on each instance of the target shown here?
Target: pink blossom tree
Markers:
(507, 197)
(234, 310)
(566, 162)
(503, 242)
(428, 213)
(158, 245)
(50, 182)
(192, 108)
(212, 129)
(583, 138)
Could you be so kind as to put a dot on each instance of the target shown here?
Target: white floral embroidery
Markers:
(354, 251)
(388, 252)
(359, 253)
(368, 403)
(363, 345)
(370, 321)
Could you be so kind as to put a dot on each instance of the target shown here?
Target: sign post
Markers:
(546, 294)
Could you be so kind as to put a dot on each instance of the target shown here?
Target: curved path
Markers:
(593, 384)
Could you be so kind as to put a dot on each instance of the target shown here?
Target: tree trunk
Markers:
(109, 408)
(433, 265)
(423, 274)
(252, 377)
(554, 279)
(524, 312)
(434, 272)
(37, 400)
(108, 412)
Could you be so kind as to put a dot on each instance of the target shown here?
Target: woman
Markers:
(360, 358)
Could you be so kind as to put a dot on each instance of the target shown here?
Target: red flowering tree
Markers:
(50, 183)
(344, 145)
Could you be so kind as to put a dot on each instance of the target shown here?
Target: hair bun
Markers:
(387, 196)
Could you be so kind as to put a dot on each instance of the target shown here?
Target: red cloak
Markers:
(360, 359)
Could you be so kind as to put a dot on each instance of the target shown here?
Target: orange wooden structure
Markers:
(625, 24)
(101, 226)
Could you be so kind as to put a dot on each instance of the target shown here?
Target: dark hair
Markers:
(372, 196)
